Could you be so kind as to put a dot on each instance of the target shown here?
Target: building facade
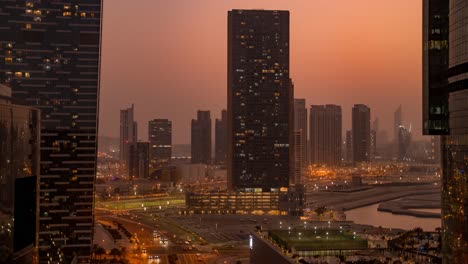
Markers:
(51, 60)
(221, 139)
(160, 139)
(325, 134)
(128, 131)
(300, 143)
(201, 138)
(138, 160)
(349, 146)
(19, 180)
(361, 133)
(445, 112)
(260, 100)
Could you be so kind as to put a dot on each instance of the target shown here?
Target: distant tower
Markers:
(397, 122)
(128, 131)
(138, 160)
(404, 140)
(221, 139)
(160, 139)
(201, 138)
(260, 100)
(361, 133)
(325, 134)
(349, 146)
(300, 143)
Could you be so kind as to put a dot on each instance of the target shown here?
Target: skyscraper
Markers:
(52, 59)
(445, 111)
(373, 144)
(397, 122)
(201, 138)
(349, 146)
(260, 100)
(361, 133)
(325, 134)
(19, 180)
(221, 139)
(300, 130)
(404, 140)
(160, 139)
(128, 131)
(138, 159)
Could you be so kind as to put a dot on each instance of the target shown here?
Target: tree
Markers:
(99, 251)
(115, 252)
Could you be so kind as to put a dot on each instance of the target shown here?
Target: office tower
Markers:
(138, 159)
(373, 144)
(297, 157)
(260, 100)
(19, 172)
(349, 146)
(376, 125)
(300, 127)
(221, 139)
(51, 61)
(160, 139)
(445, 112)
(128, 131)
(325, 134)
(201, 138)
(361, 133)
(404, 140)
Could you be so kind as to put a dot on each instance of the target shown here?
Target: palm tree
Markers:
(99, 251)
(115, 252)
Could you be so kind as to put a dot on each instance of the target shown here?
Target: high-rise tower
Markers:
(361, 133)
(325, 134)
(260, 100)
(51, 60)
(201, 138)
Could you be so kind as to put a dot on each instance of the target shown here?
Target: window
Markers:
(28, 26)
(67, 13)
(18, 74)
(8, 60)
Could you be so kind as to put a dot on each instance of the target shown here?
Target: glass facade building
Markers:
(361, 133)
(19, 171)
(260, 100)
(221, 139)
(160, 139)
(325, 134)
(201, 138)
(50, 57)
(445, 92)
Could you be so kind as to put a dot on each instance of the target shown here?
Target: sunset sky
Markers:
(168, 57)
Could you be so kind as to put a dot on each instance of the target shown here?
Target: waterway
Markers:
(369, 215)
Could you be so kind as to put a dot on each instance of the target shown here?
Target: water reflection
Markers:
(370, 216)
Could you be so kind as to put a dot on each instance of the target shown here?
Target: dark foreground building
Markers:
(445, 112)
(260, 100)
(51, 58)
(19, 171)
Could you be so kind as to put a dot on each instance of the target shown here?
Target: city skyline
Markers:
(313, 60)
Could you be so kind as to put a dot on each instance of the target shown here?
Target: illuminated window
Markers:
(29, 4)
(29, 11)
(66, 7)
(27, 75)
(18, 74)
(28, 26)
(67, 13)
(8, 60)
(83, 14)
(38, 12)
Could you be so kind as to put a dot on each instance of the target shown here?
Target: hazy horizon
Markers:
(170, 59)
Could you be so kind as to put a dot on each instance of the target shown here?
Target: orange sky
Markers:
(169, 58)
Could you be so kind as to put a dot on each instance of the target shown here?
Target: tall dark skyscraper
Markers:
(201, 138)
(51, 61)
(221, 139)
(300, 144)
(260, 100)
(404, 140)
(19, 171)
(138, 159)
(445, 112)
(349, 146)
(160, 139)
(128, 131)
(325, 134)
(361, 133)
